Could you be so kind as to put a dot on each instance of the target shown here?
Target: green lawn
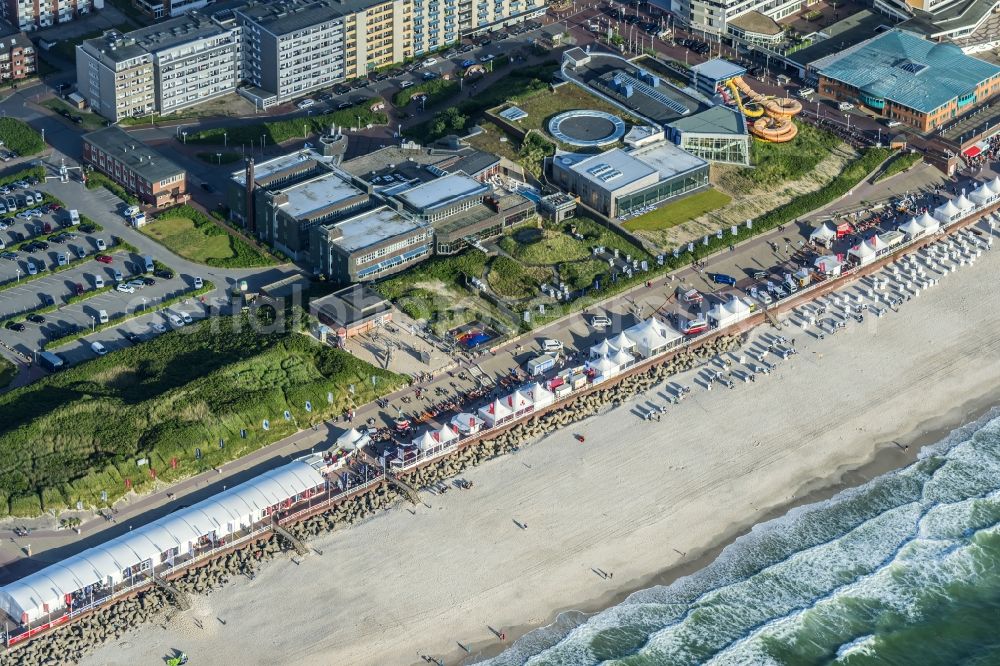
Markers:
(541, 106)
(279, 131)
(899, 163)
(678, 212)
(79, 432)
(181, 236)
(543, 246)
(776, 163)
(192, 235)
(7, 372)
(510, 279)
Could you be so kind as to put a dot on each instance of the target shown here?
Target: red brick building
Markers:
(18, 59)
(135, 166)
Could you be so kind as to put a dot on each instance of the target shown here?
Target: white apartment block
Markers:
(31, 15)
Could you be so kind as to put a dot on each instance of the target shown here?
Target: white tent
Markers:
(446, 434)
(158, 541)
(467, 423)
(828, 265)
(603, 349)
(823, 235)
(928, 222)
(729, 312)
(352, 440)
(947, 212)
(427, 442)
(541, 395)
(982, 194)
(494, 413)
(863, 252)
(963, 204)
(912, 228)
(622, 341)
(603, 368)
(995, 185)
(519, 401)
(622, 359)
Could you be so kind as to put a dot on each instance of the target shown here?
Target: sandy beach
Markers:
(645, 500)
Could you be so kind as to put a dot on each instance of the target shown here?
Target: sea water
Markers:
(902, 570)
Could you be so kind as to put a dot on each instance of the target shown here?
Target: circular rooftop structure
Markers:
(587, 128)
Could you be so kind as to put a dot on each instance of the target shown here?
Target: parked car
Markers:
(36, 319)
(845, 106)
(98, 282)
(198, 283)
(158, 327)
(306, 103)
(14, 326)
(101, 245)
(78, 289)
(98, 348)
(118, 275)
(430, 62)
(164, 274)
(403, 85)
(104, 259)
(125, 288)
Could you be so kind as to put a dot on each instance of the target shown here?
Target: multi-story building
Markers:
(135, 166)
(115, 76)
(30, 15)
(438, 23)
(292, 47)
(158, 9)
(713, 17)
(378, 35)
(18, 58)
(182, 62)
(902, 77)
(371, 245)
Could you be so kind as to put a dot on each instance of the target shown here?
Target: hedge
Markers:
(435, 89)
(97, 179)
(84, 332)
(279, 131)
(19, 136)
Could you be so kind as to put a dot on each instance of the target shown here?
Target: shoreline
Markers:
(886, 457)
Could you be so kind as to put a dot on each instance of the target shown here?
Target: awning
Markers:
(972, 151)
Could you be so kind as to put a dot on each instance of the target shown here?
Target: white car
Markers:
(125, 289)
(118, 275)
(185, 316)
(98, 282)
(158, 327)
(98, 348)
(101, 245)
(845, 106)
(403, 85)
(764, 297)
(32, 268)
(552, 345)
(80, 253)
(175, 320)
(198, 282)
(430, 62)
(306, 103)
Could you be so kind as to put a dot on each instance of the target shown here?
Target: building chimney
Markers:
(251, 218)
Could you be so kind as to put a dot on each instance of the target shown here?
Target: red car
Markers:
(104, 259)
(79, 289)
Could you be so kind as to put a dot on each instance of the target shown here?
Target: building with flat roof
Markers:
(160, 69)
(390, 166)
(620, 183)
(906, 78)
(713, 17)
(371, 245)
(718, 134)
(18, 57)
(352, 311)
(135, 166)
(30, 16)
(291, 195)
(707, 76)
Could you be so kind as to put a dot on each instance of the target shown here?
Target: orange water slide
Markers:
(776, 125)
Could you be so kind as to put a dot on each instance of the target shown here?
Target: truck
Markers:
(74, 216)
(50, 361)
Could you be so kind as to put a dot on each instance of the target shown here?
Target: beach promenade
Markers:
(643, 500)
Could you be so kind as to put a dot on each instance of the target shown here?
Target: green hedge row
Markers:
(279, 131)
(20, 137)
(84, 332)
(435, 89)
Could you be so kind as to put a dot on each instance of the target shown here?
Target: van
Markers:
(132, 211)
(600, 321)
(551, 345)
(98, 282)
(176, 321)
(102, 316)
(74, 217)
(98, 348)
(147, 262)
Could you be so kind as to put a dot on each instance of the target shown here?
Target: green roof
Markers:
(717, 120)
(903, 68)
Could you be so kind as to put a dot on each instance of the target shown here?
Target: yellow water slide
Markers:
(771, 116)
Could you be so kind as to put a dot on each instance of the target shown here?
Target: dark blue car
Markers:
(722, 278)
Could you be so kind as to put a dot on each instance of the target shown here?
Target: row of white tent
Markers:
(987, 194)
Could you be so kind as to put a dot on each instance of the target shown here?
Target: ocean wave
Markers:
(825, 573)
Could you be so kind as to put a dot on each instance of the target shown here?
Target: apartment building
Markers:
(438, 23)
(31, 15)
(18, 58)
(378, 35)
(713, 16)
(115, 76)
(135, 166)
(293, 47)
(163, 68)
(158, 9)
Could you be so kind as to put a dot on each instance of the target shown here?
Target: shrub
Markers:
(435, 89)
(97, 179)
(279, 131)
(18, 136)
(52, 499)
(26, 506)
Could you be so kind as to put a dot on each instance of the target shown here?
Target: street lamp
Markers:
(143, 303)
(225, 139)
(219, 155)
(93, 323)
(185, 135)
(848, 116)
(359, 117)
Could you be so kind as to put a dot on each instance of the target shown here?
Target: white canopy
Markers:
(604, 348)
(912, 228)
(446, 434)
(352, 440)
(946, 212)
(621, 358)
(541, 395)
(493, 412)
(622, 341)
(995, 185)
(466, 422)
(962, 203)
(221, 514)
(519, 400)
(603, 367)
(864, 251)
(427, 441)
(982, 194)
(828, 265)
(729, 312)
(928, 222)
(823, 234)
